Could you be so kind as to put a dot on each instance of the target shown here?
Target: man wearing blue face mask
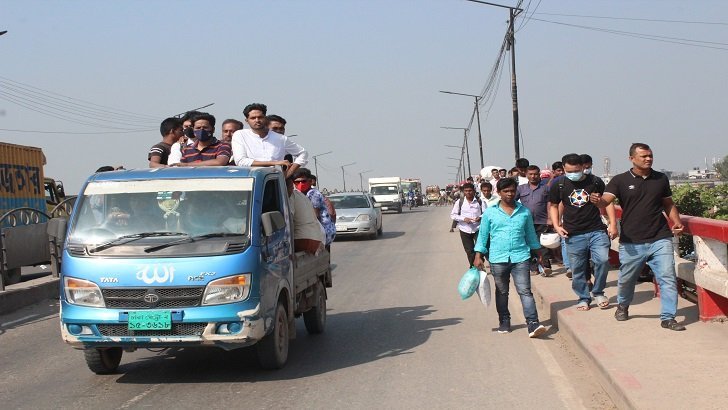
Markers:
(582, 227)
(207, 150)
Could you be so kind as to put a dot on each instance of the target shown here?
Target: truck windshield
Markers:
(155, 211)
(384, 190)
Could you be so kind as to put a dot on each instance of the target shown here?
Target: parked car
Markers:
(357, 214)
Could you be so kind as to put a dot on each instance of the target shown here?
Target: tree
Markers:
(722, 168)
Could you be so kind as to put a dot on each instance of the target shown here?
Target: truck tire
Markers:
(315, 318)
(272, 350)
(11, 276)
(103, 361)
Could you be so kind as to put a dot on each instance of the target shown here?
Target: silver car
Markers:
(357, 214)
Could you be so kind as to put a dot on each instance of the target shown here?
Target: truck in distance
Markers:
(387, 191)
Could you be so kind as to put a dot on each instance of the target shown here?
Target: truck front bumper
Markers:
(231, 330)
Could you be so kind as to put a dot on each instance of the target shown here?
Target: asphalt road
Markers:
(398, 336)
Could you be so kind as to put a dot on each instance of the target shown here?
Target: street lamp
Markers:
(343, 176)
(467, 149)
(477, 111)
(361, 181)
(315, 164)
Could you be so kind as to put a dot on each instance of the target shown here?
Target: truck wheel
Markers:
(11, 277)
(103, 361)
(272, 350)
(315, 318)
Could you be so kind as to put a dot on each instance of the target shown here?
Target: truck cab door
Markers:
(276, 258)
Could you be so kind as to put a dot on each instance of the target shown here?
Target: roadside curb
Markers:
(12, 299)
(567, 326)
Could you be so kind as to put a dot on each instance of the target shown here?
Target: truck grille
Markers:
(152, 298)
(178, 329)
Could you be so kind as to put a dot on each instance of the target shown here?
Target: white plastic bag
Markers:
(484, 289)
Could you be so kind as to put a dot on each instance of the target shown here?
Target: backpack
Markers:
(460, 205)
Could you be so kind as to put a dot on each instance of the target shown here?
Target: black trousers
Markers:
(468, 240)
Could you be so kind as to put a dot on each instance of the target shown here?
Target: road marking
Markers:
(12, 322)
(564, 388)
(139, 396)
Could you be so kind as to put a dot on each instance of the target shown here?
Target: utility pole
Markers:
(361, 180)
(343, 176)
(315, 165)
(466, 147)
(477, 112)
(511, 45)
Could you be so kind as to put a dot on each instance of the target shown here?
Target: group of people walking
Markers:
(506, 232)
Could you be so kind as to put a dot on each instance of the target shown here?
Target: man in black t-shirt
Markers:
(171, 130)
(583, 229)
(646, 237)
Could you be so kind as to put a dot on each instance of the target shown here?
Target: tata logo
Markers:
(156, 274)
(151, 298)
(109, 280)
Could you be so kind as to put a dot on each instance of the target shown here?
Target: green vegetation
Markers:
(701, 201)
(722, 168)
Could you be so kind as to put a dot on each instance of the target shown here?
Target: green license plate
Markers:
(150, 320)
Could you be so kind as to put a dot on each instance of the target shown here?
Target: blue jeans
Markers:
(564, 254)
(578, 248)
(502, 273)
(659, 257)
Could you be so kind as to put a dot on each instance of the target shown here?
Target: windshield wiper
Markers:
(189, 239)
(131, 238)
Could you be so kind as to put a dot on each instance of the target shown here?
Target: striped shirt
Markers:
(161, 150)
(216, 149)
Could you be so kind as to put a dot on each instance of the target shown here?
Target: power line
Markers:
(71, 100)
(634, 19)
(662, 39)
(75, 133)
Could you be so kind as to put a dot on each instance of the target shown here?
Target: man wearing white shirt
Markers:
(467, 212)
(261, 147)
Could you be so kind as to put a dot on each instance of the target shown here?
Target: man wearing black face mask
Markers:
(207, 150)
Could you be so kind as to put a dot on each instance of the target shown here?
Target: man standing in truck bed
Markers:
(261, 147)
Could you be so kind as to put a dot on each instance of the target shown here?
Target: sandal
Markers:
(582, 306)
(601, 301)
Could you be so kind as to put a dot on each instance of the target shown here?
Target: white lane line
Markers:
(564, 388)
(12, 322)
(140, 396)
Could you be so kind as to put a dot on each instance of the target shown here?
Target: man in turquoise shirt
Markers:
(509, 227)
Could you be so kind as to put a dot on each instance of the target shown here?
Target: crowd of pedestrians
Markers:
(503, 232)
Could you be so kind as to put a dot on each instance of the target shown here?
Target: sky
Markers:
(89, 82)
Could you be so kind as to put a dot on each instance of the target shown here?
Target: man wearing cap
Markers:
(583, 230)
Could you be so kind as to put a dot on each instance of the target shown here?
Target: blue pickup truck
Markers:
(179, 257)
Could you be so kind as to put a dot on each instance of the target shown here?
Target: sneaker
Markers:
(535, 329)
(672, 325)
(568, 273)
(505, 326)
(622, 313)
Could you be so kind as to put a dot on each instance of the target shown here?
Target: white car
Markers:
(357, 214)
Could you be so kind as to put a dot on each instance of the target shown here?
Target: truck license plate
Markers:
(150, 320)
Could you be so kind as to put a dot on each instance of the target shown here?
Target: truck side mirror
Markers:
(272, 222)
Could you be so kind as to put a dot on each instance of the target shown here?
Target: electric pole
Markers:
(511, 46)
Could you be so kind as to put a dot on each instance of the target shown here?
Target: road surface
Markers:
(398, 336)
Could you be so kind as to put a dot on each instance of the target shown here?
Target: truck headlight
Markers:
(82, 292)
(363, 218)
(227, 290)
